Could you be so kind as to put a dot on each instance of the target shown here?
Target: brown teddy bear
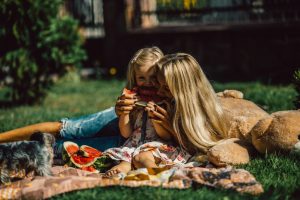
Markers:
(252, 128)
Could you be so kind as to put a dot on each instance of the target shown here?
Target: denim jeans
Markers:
(99, 130)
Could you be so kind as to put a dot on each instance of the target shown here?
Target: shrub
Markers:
(297, 87)
(41, 44)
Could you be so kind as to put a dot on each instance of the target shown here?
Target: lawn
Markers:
(279, 174)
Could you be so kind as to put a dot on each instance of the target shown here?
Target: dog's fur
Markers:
(35, 156)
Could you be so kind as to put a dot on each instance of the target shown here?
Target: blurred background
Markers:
(233, 40)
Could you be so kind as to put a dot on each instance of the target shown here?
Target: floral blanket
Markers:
(66, 179)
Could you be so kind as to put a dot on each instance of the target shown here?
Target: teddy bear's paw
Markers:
(230, 152)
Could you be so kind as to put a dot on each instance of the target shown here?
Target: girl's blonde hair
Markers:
(143, 57)
(198, 116)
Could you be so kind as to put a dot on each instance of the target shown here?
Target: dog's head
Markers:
(46, 139)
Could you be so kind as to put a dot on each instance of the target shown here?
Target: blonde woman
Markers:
(197, 121)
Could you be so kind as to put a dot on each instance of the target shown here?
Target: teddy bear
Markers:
(252, 130)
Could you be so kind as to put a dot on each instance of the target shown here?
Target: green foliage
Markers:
(270, 98)
(41, 44)
(297, 87)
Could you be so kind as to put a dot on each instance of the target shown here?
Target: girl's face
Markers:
(163, 88)
(145, 76)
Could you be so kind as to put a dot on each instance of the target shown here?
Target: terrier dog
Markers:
(34, 156)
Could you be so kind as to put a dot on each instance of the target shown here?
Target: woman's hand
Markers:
(125, 104)
(159, 115)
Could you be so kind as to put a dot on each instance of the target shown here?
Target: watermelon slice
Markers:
(146, 94)
(90, 151)
(70, 148)
(86, 158)
(82, 157)
(81, 161)
(127, 91)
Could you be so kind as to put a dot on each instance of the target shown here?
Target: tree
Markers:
(41, 43)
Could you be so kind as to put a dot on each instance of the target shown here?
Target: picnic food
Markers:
(141, 103)
(254, 129)
(145, 94)
(90, 151)
(86, 158)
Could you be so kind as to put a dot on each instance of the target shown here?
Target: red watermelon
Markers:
(90, 151)
(83, 157)
(145, 93)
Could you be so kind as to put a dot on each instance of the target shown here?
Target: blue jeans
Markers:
(99, 130)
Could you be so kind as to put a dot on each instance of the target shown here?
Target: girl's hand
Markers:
(125, 104)
(159, 115)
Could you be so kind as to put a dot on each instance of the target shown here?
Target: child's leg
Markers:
(24, 133)
(145, 159)
(122, 167)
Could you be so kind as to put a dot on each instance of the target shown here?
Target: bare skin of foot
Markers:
(123, 167)
(145, 159)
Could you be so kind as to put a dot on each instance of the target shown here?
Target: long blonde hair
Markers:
(143, 57)
(198, 116)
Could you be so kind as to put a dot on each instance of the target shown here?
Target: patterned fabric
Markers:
(164, 150)
(70, 179)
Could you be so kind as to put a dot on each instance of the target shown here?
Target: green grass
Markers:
(279, 174)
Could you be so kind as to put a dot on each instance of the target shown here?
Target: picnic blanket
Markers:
(66, 179)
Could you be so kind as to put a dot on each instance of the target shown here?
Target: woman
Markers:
(197, 120)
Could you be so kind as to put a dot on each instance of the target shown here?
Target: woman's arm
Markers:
(160, 120)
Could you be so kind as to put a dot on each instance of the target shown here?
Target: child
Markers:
(198, 121)
(148, 143)
(102, 125)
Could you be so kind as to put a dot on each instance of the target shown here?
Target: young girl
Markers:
(99, 130)
(148, 143)
(198, 121)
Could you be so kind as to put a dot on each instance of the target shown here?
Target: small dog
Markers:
(34, 156)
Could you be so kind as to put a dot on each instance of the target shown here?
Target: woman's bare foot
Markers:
(123, 167)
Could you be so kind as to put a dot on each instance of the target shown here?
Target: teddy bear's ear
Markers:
(231, 94)
(258, 134)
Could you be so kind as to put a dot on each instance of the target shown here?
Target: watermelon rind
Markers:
(65, 154)
(103, 163)
(68, 143)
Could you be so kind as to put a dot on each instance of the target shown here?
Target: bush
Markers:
(297, 87)
(41, 44)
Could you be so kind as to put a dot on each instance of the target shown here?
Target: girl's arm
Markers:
(124, 125)
(124, 106)
(161, 131)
